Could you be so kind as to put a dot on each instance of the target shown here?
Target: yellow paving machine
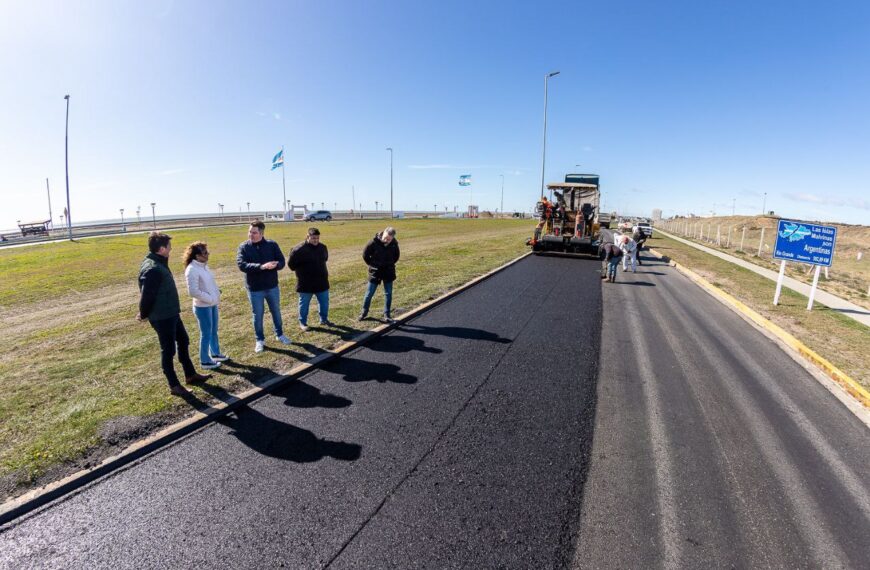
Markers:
(569, 220)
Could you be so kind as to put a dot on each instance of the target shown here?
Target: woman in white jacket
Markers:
(206, 300)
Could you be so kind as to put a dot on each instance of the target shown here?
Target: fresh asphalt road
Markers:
(456, 440)
(500, 430)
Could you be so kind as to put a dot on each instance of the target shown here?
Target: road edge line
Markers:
(848, 384)
(42, 496)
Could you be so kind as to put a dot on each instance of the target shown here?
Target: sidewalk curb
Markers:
(851, 387)
(32, 500)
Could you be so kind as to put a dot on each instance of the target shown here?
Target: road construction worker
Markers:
(639, 238)
(610, 254)
(546, 208)
(629, 250)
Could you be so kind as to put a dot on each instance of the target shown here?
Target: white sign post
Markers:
(813, 290)
(779, 282)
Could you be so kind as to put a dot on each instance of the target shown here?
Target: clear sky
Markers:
(684, 106)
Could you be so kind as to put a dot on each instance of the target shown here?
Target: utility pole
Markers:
(502, 194)
(50, 217)
(66, 161)
(153, 216)
(123, 227)
(391, 181)
(764, 205)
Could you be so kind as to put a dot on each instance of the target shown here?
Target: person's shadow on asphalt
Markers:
(274, 438)
(455, 332)
(298, 394)
(357, 370)
(398, 343)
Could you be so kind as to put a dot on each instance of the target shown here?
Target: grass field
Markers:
(80, 374)
(848, 277)
(840, 339)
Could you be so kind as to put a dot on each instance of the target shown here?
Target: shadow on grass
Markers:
(274, 438)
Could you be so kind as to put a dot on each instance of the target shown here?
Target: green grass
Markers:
(842, 340)
(77, 358)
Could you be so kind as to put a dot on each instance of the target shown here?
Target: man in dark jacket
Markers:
(308, 260)
(261, 259)
(159, 304)
(381, 255)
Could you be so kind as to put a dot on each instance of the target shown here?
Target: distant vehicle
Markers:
(318, 215)
(645, 227)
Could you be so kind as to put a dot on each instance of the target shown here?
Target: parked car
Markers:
(318, 215)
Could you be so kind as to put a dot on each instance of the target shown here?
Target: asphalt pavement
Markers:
(541, 419)
(713, 448)
(457, 440)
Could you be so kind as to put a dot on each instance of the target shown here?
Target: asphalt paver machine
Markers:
(568, 221)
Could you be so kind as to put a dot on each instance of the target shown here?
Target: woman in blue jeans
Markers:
(206, 299)
(381, 255)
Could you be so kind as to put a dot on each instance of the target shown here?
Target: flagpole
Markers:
(284, 186)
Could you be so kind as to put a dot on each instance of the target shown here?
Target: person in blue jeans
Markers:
(206, 295)
(261, 259)
(308, 260)
(381, 255)
(610, 254)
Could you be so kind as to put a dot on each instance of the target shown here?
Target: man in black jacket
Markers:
(159, 304)
(381, 255)
(308, 259)
(261, 259)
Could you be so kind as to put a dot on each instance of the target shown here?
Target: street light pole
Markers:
(66, 161)
(123, 227)
(221, 206)
(50, 217)
(353, 199)
(153, 216)
(544, 150)
(391, 181)
(502, 194)
(764, 204)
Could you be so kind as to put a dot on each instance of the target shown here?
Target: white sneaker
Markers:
(303, 328)
(283, 339)
(260, 346)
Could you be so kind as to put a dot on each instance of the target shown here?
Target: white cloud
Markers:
(277, 116)
(172, 171)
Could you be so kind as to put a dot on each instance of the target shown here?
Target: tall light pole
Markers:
(391, 181)
(138, 218)
(249, 211)
(502, 193)
(153, 216)
(123, 227)
(221, 206)
(50, 217)
(353, 198)
(544, 150)
(66, 161)
(764, 204)
(376, 205)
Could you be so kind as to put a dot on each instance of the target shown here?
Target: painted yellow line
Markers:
(852, 387)
(37, 497)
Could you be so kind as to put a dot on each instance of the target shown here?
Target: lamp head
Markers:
(553, 73)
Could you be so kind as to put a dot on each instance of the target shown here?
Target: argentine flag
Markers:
(465, 180)
(278, 160)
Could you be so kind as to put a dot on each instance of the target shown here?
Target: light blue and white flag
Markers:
(465, 180)
(278, 160)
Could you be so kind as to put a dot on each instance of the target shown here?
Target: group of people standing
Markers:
(623, 247)
(260, 259)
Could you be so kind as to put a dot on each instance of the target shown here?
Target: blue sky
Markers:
(683, 106)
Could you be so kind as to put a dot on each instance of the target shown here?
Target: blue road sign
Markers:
(806, 243)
